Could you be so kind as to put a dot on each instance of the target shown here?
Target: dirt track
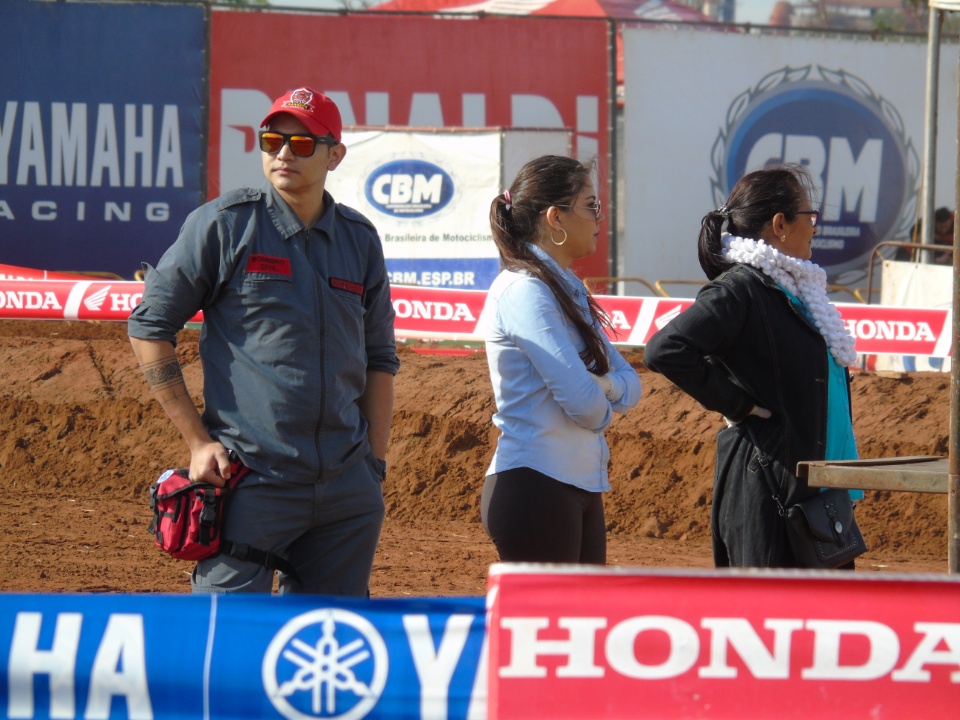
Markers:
(83, 439)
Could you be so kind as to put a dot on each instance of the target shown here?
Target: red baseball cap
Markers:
(314, 109)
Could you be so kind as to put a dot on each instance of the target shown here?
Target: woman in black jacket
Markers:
(763, 346)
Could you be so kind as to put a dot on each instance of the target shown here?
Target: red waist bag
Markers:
(188, 516)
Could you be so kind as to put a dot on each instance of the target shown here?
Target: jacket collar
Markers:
(286, 221)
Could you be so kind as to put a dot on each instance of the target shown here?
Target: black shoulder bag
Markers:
(822, 530)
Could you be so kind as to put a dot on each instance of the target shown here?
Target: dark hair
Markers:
(752, 203)
(547, 181)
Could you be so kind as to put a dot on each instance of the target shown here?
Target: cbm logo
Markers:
(405, 188)
(865, 170)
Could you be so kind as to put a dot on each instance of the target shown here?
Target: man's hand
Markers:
(210, 463)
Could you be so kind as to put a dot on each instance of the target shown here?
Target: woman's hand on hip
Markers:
(756, 410)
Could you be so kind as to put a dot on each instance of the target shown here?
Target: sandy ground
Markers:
(82, 440)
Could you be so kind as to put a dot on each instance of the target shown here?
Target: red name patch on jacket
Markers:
(351, 287)
(268, 264)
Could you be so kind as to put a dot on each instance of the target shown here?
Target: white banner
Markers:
(916, 285)
(427, 192)
(704, 108)
(424, 204)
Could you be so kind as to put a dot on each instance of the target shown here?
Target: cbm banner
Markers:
(100, 132)
(218, 657)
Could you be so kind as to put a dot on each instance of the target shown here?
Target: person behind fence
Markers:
(557, 379)
(942, 235)
(763, 346)
(298, 356)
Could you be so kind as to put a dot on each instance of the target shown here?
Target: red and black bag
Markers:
(188, 516)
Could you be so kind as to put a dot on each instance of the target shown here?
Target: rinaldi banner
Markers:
(568, 642)
(433, 313)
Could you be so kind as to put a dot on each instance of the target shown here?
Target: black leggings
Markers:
(533, 518)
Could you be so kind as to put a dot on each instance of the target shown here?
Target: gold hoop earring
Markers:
(558, 244)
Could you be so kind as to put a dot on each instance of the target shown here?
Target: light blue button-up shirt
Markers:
(550, 413)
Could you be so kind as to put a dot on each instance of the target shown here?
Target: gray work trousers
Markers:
(327, 530)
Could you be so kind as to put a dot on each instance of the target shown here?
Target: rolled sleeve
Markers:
(379, 334)
(627, 388)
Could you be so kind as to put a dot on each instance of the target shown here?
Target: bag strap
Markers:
(765, 470)
(237, 471)
(266, 558)
(242, 551)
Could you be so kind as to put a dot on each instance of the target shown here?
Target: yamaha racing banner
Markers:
(100, 130)
(232, 657)
(575, 642)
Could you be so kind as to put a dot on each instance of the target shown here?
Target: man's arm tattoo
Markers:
(163, 374)
(165, 378)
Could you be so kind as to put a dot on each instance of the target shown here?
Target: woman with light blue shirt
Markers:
(556, 376)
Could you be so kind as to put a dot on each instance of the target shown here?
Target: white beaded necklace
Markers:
(805, 280)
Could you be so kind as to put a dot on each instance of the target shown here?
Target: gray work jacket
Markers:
(293, 318)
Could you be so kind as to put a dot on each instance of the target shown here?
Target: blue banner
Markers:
(241, 656)
(452, 273)
(100, 132)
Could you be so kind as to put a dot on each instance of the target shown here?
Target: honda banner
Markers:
(435, 313)
(573, 642)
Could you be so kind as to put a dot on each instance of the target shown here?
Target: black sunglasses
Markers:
(300, 145)
(814, 215)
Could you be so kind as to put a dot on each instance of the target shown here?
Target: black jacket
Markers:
(743, 343)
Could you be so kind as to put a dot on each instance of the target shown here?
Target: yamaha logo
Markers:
(409, 188)
(328, 663)
(852, 141)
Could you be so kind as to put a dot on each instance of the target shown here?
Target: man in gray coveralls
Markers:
(298, 357)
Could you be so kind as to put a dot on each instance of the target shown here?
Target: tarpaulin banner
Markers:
(14, 272)
(570, 642)
(156, 657)
(408, 71)
(427, 192)
(100, 131)
(917, 285)
(852, 113)
(441, 314)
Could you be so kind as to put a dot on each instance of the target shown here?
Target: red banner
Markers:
(568, 642)
(410, 71)
(435, 313)
(14, 272)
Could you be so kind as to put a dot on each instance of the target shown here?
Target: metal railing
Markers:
(898, 244)
(589, 281)
(657, 287)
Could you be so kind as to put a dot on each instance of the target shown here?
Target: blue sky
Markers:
(754, 11)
